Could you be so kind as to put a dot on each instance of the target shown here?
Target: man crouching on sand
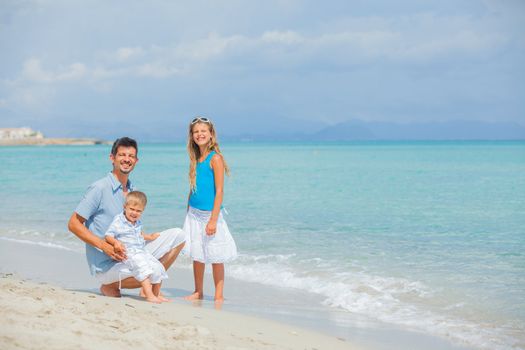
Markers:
(102, 201)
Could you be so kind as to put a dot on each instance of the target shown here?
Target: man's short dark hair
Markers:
(123, 142)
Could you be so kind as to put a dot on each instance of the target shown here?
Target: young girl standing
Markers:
(207, 235)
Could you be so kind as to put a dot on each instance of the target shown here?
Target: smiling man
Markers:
(102, 201)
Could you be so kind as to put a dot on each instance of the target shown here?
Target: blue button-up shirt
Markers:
(126, 232)
(102, 201)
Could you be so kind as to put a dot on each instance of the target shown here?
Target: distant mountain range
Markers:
(287, 129)
(356, 130)
(450, 130)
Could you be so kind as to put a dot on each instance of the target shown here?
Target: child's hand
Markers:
(211, 227)
(151, 237)
(112, 252)
(119, 248)
(154, 236)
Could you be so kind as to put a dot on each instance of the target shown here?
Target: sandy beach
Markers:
(46, 305)
(50, 302)
(43, 316)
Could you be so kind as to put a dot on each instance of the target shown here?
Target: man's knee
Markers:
(176, 249)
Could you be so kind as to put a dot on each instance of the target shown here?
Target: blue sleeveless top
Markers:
(204, 195)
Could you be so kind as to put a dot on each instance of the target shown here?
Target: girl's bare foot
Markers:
(194, 296)
(218, 303)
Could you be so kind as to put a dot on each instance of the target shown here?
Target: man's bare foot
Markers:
(109, 291)
(194, 296)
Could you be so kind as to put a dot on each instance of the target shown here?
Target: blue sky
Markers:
(77, 67)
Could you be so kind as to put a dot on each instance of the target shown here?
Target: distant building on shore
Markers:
(19, 134)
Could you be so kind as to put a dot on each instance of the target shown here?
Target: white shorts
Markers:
(215, 249)
(167, 240)
(143, 265)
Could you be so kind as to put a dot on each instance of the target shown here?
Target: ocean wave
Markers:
(387, 299)
(39, 243)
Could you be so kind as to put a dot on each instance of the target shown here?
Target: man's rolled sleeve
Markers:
(90, 202)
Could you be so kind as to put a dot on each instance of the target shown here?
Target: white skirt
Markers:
(215, 249)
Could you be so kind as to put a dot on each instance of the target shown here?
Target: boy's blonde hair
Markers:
(137, 197)
(195, 152)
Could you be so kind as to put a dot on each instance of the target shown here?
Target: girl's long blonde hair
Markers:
(195, 152)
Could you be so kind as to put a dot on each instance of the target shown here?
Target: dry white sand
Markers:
(43, 316)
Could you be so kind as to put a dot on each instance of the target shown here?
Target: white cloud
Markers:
(396, 39)
(36, 98)
(465, 42)
(421, 38)
(391, 44)
(75, 71)
(157, 70)
(33, 71)
(288, 37)
(101, 73)
(299, 54)
(126, 53)
(394, 42)
(207, 48)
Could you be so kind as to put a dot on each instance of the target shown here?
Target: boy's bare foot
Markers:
(163, 299)
(154, 299)
(142, 294)
(109, 291)
(194, 296)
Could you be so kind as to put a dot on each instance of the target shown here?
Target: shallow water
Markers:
(423, 235)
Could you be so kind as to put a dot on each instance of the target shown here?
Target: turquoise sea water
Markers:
(424, 235)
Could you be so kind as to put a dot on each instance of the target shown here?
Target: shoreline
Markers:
(67, 269)
(52, 141)
(43, 316)
(58, 308)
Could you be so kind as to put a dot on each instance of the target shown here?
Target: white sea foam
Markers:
(394, 300)
(42, 244)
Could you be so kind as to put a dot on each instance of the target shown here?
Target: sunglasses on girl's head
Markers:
(200, 119)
